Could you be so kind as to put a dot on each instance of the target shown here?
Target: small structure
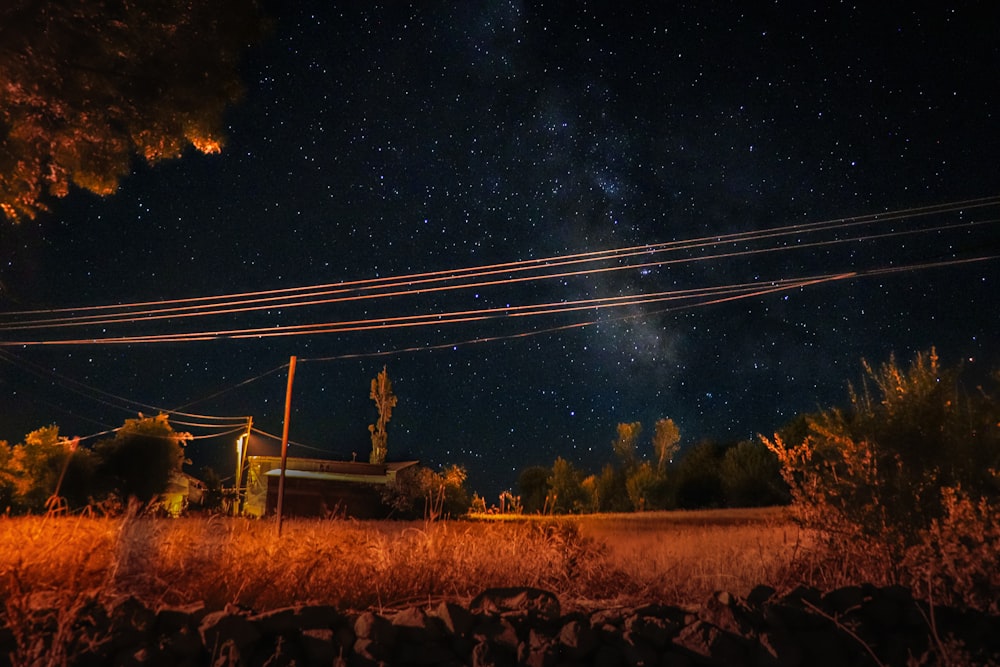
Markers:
(182, 490)
(318, 487)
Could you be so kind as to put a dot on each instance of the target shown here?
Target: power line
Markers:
(523, 310)
(105, 398)
(417, 283)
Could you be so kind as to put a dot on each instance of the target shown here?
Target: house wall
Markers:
(318, 498)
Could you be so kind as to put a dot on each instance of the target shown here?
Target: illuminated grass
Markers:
(677, 558)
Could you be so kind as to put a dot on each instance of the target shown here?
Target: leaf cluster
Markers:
(88, 85)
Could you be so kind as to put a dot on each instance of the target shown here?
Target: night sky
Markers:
(379, 140)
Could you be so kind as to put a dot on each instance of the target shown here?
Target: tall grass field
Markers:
(674, 558)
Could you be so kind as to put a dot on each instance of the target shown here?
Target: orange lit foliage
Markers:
(892, 474)
(87, 85)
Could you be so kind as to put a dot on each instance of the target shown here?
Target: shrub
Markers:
(908, 471)
(879, 466)
(957, 558)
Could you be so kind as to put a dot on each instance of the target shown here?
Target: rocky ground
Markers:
(850, 626)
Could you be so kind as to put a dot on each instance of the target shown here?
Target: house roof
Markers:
(350, 471)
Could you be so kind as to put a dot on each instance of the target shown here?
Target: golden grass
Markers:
(677, 558)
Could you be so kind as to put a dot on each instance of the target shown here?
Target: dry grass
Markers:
(677, 558)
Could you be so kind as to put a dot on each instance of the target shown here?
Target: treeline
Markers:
(48, 472)
(654, 474)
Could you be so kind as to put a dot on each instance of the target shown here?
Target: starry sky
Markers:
(387, 139)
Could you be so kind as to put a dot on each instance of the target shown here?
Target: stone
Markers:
(414, 625)
(577, 639)
(498, 632)
(132, 623)
(228, 629)
(372, 651)
(532, 602)
(376, 628)
(539, 651)
(712, 642)
(319, 647)
(759, 596)
(730, 614)
(457, 619)
(656, 631)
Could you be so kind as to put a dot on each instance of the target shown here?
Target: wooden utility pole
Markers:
(284, 440)
(242, 445)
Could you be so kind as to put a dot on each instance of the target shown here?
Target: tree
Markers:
(626, 443)
(533, 485)
(138, 461)
(666, 437)
(43, 466)
(751, 476)
(565, 488)
(385, 401)
(89, 84)
(641, 484)
(610, 490)
(697, 478)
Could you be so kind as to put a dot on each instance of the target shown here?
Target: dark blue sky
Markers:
(382, 139)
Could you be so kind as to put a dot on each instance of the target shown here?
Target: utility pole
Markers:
(284, 440)
(242, 445)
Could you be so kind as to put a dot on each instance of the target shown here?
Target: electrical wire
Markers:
(108, 399)
(409, 285)
(729, 292)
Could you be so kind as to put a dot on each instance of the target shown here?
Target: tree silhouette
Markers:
(385, 401)
(87, 85)
(138, 461)
(665, 442)
(625, 444)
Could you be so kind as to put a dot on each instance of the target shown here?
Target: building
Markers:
(182, 490)
(318, 487)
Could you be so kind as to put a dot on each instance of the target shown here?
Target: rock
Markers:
(376, 628)
(655, 631)
(759, 596)
(319, 646)
(457, 619)
(498, 632)
(131, 624)
(414, 625)
(577, 639)
(730, 614)
(531, 602)
(485, 654)
(709, 641)
(227, 632)
(372, 651)
(539, 651)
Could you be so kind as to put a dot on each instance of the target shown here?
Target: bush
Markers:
(879, 467)
(908, 471)
(418, 491)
